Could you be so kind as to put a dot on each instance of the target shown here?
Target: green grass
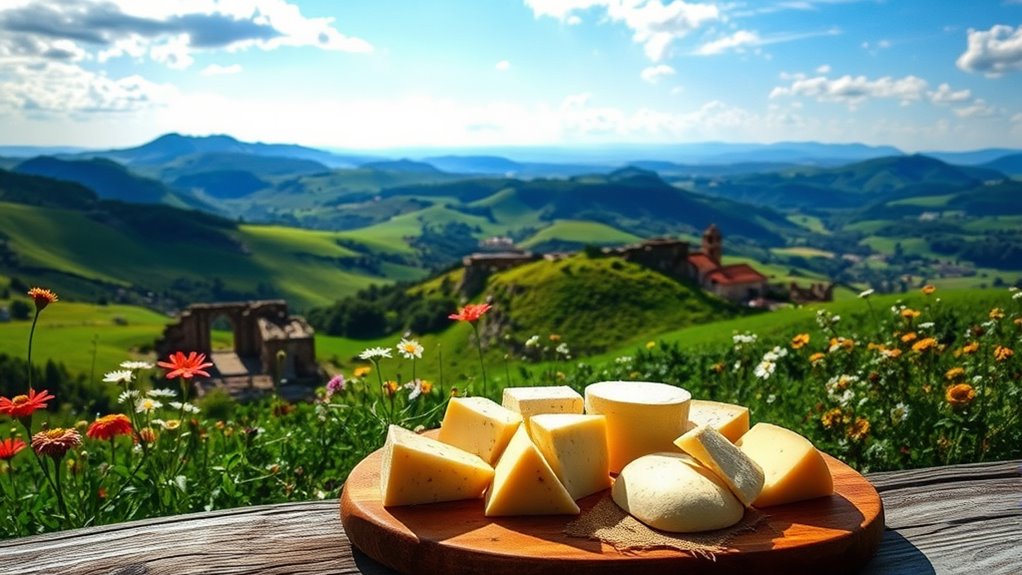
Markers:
(811, 223)
(924, 201)
(580, 232)
(803, 251)
(888, 245)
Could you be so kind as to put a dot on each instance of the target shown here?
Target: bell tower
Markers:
(713, 243)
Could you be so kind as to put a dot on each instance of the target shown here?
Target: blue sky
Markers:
(917, 74)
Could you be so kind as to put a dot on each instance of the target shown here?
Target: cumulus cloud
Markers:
(993, 52)
(654, 25)
(503, 66)
(977, 109)
(853, 90)
(218, 70)
(824, 69)
(945, 95)
(653, 74)
(735, 41)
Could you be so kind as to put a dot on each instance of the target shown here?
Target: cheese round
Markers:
(673, 492)
(642, 417)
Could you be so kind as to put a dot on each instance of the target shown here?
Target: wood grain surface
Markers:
(925, 535)
(843, 531)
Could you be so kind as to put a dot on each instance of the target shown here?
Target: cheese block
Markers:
(478, 425)
(642, 417)
(524, 484)
(793, 469)
(673, 492)
(731, 420)
(530, 401)
(575, 446)
(741, 474)
(417, 469)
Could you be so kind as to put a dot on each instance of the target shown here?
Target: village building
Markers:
(735, 282)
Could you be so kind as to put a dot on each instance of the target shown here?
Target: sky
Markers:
(376, 74)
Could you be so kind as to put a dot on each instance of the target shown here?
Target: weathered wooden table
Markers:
(958, 519)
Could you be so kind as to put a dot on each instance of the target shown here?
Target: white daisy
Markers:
(374, 353)
(409, 349)
(118, 376)
(147, 405)
(161, 392)
(186, 407)
(127, 396)
(867, 293)
(136, 365)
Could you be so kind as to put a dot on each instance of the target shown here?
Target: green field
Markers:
(580, 232)
(811, 223)
(802, 251)
(924, 201)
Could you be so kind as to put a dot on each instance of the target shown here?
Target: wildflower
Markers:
(147, 405)
(718, 367)
(554, 337)
(161, 392)
(837, 343)
(996, 314)
(926, 325)
(127, 396)
(970, 348)
(909, 313)
(147, 435)
(42, 297)
(859, 429)
(1002, 353)
(741, 339)
(186, 366)
(361, 371)
(426, 386)
(170, 424)
(954, 373)
(184, 407)
(10, 447)
(832, 418)
(960, 394)
(924, 344)
(55, 442)
(1017, 295)
(410, 349)
(136, 365)
(840, 383)
(800, 341)
(816, 357)
(375, 353)
(650, 344)
(337, 384)
(910, 336)
(390, 388)
(562, 349)
(21, 406)
(891, 353)
(765, 369)
(899, 413)
(472, 312)
(414, 388)
(532, 341)
(110, 426)
(118, 376)
(928, 289)
(865, 294)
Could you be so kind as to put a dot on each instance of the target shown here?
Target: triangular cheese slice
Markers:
(741, 474)
(524, 484)
(417, 469)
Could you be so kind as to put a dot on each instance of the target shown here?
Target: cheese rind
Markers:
(524, 484)
(417, 469)
(793, 469)
(642, 417)
(741, 474)
(731, 420)
(530, 401)
(478, 425)
(673, 492)
(575, 446)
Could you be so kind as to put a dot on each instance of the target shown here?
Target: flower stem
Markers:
(482, 366)
(60, 494)
(31, 335)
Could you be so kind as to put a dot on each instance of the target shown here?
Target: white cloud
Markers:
(978, 109)
(993, 52)
(654, 25)
(653, 74)
(945, 95)
(218, 70)
(852, 91)
(503, 66)
(735, 41)
(824, 69)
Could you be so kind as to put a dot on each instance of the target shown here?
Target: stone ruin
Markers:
(814, 293)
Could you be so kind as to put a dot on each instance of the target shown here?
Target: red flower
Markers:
(186, 367)
(42, 297)
(471, 312)
(24, 405)
(56, 442)
(10, 447)
(110, 426)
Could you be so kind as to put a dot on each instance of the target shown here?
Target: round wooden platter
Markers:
(837, 534)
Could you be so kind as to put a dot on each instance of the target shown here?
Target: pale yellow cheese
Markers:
(417, 469)
(524, 484)
(530, 401)
(642, 417)
(575, 446)
(741, 474)
(478, 425)
(794, 470)
(673, 492)
(731, 420)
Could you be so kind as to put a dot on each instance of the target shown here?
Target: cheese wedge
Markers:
(741, 474)
(530, 401)
(731, 420)
(673, 492)
(417, 469)
(793, 469)
(575, 446)
(642, 417)
(523, 483)
(478, 425)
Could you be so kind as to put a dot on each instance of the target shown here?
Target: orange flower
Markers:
(390, 388)
(56, 442)
(10, 447)
(186, 367)
(555, 337)
(910, 336)
(717, 367)
(928, 289)
(832, 418)
(425, 386)
(42, 297)
(362, 371)
(924, 344)
(24, 405)
(147, 435)
(471, 312)
(954, 373)
(909, 313)
(960, 394)
(996, 313)
(859, 429)
(1002, 353)
(816, 357)
(970, 347)
(894, 353)
(110, 426)
(800, 341)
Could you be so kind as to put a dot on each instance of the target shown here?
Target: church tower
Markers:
(713, 243)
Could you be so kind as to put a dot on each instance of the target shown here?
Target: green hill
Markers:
(574, 235)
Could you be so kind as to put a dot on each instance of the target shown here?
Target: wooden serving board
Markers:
(836, 534)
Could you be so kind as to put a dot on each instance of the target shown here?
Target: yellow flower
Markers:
(858, 430)
(960, 394)
(970, 347)
(832, 418)
(996, 313)
(718, 367)
(650, 344)
(425, 386)
(390, 388)
(909, 313)
(555, 337)
(892, 353)
(954, 373)
(816, 357)
(924, 344)
(362, 371)
(910, 336)
(800, 341)
(928, 289)
(839, 342)
(1002, 353)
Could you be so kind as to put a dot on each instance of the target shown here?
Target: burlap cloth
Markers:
(608, 523)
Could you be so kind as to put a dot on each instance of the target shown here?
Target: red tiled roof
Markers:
(702, 262)
(736, 274)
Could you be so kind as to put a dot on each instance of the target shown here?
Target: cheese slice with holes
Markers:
(731, 420)
(417, 469)
(478, 425)
(524, 484)
(793, 469)
(642, 417)
(530, 401)
(575, 446)
(741, 474)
